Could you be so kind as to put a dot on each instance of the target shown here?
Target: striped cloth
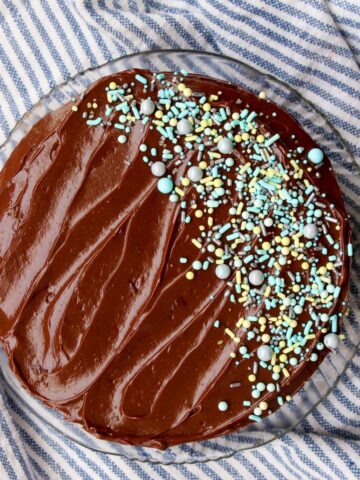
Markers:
(313, 45)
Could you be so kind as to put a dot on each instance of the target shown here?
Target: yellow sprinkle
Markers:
(296, 288)
(191, 138)
(245, 286)
(310, 299)
(173, 122)
(204, 123)
(206, 179)
(203, 165)
(238, 277)
(190, 275)
(237, 138)
(276, 369)
(233, 355)
(266, 245)
(181, 87)
(266, 338)
(286, 373)
(185, 182)
(311, 336)
(219, 261)
(260, 139)
(262, 95)
(240, 322)
(112, 85)
(230, 333)
(236, 339)
(196, 243)
(158, 114)
(199, 213)
(283, 357)
(305, 266)
(290, 349)
(213, 98)
(218, 182)
(267, 291)
(179, 191)
(285, 251)
(210, 221)
(251, 378)
(219, 252)
(277, 266)
(330, 266)
(246, 324)
(245, 136)
(285, 241)
(239, 208)
(74, 108)
(294, 164)
(206, 107)
(256, 230)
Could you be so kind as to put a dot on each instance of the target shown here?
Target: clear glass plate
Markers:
(347, 172)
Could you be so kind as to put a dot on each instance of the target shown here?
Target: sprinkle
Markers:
(196, 243)
(141, 79)
(94, 122)
(272, 140)
(350, 249)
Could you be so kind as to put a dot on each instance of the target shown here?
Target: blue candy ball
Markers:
(165, 185)
(315, 155)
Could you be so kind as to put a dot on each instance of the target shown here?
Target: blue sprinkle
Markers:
(350, 249)
(141, 79)
(94, 122)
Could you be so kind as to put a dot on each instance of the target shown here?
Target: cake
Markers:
(175, 258)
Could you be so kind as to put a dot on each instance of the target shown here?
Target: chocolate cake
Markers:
(174, 256)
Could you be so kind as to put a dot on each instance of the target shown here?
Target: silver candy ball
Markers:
(222, 271)
(256, 277)
(195, 174)
(147, 106)
(184, 127)
(331, 341)
(264, 353)
(158, 169)
(225, 146)
(310, 231)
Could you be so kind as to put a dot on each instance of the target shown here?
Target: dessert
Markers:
(175, 258)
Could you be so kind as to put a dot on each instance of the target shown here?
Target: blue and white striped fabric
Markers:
(314, 45)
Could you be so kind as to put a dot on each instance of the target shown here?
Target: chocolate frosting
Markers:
(97, 316)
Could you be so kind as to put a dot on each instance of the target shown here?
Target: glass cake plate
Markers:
(347, 173)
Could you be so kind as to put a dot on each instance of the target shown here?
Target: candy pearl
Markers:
(223, 406)
(195, 174)
(122, 139)
(268, 222)
(265, 353)
(225, 146)
(298, 309)
(147, 106)
(256, 277)
(165, 185)
(184, 127)
(222, 271)
(310, 231)
(316, 155)
(331, 341)
(158, 169)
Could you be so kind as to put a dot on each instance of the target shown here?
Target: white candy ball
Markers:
(158, 169)
(268, 222)
(147, 106)
(184, 127)
(222, 271)
(256, 277)
(331, 341)
(225, 146)
(264, 353)
(195, 174)
(310, 231)
(223, 406)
